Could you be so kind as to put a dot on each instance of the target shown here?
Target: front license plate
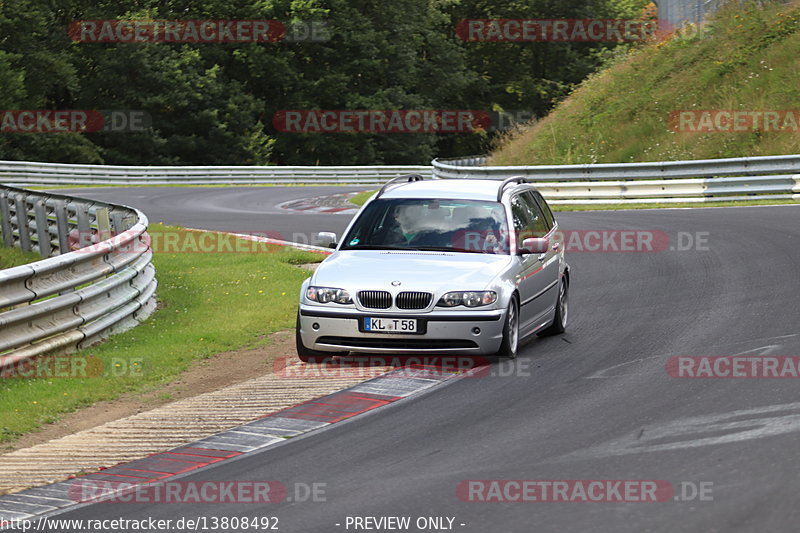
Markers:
(390, 325)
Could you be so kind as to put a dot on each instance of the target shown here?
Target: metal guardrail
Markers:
(97, 280)
(707, 180)
(769, 177)
(26, 173)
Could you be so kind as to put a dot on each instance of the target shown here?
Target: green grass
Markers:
(11, 257)
(362, 197)
(212, 185)
(209, 303)
(618, 207)
(746, 58)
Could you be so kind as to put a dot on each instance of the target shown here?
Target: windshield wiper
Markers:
(376, 247)
(450, 249)
(417, 248)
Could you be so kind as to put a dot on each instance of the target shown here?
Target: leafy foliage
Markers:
(214, 103)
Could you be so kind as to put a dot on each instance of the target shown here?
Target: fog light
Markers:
(315, 326)
(476, 331)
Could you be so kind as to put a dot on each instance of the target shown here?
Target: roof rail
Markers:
(408, 178)
(508, 181)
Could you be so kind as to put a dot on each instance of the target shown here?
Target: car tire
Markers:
(559, 324)
(307, 355)
(510, 344)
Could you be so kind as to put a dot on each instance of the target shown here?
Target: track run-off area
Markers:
(599, 403)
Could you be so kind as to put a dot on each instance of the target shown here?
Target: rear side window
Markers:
(548, 214)
(538, 226)
(520, 213)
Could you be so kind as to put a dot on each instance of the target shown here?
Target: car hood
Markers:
(377, 269)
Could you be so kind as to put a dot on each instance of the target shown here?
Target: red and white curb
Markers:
(270, 430)
(316, 205)
(317, 209)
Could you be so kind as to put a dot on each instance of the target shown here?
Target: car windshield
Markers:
(430, 224)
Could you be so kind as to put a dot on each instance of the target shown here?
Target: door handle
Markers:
(542, 256)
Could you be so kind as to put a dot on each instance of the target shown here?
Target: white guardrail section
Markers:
(25, 173)
(709, 180)
(97, 278)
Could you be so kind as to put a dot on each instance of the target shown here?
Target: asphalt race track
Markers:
(234, 209)
(594, 404)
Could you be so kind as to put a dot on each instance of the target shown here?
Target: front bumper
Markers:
(331, 330)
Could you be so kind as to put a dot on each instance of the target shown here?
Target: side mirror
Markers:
(533, 245)
(326, 239)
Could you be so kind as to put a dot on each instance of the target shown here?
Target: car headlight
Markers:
(326, 295)
(467, 298)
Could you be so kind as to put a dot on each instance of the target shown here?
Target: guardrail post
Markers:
(21, 210)
(5, 221)
(103, 224)
(42, 229)
(62, 226)
(84, 230)
(117, 222)
(128, 222)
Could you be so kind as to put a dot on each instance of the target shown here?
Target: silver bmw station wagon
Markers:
(439, 266)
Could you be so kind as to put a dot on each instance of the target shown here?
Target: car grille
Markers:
(375, 299)
(397, 343)
(413, 300)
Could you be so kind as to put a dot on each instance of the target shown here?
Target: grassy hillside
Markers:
(742, 59)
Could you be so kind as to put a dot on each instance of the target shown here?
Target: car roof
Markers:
(461, 189)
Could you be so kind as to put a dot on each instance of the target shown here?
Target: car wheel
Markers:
(307, 355)
(562, 311)
(510, 344)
